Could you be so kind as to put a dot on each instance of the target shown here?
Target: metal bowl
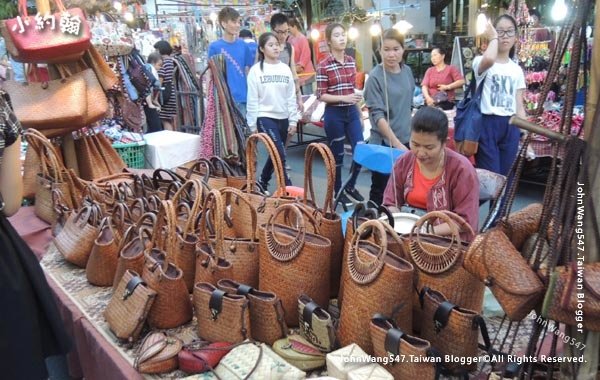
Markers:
(403, 221)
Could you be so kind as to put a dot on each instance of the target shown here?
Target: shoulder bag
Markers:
(468, 119)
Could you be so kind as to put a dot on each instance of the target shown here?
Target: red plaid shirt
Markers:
(336, 78)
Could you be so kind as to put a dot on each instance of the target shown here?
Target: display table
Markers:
(168, 149)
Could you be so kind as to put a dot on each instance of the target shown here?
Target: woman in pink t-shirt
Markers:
(441, 81)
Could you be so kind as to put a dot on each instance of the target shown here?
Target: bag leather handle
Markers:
(442, 315)
(309, 309)
(244, 290)
(132, 285)
(393, 337)
(216, 303)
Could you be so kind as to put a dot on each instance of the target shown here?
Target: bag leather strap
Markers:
(393, 337)
(216, 303)
(309, 310)
(244, 290)
(132, 285)
(442, 315)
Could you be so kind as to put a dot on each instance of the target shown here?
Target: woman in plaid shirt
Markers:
(336, 75)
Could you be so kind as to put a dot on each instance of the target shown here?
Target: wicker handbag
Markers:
(388, 340)
(494, 260)
(129, 306)
(266, 312)
(521, 224)
(294, 262)
(330, 223)
(438, 264)
(236, 178)
(569, 287)
(102, 263)
(131, 254)
(202, 169)
(111, 157)
(76, 240)
(89, 158)
(240, 251)
(158, 353)
(173, 306)
(265, 206)
(450, 329)
(379, 281)
(222, 317)
(299, 352)
(316, 324)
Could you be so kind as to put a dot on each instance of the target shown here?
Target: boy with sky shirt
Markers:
(237, 54)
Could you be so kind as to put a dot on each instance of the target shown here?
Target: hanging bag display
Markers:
(379, 281)
(89, 159)
(222, 317)
(520, 225)
(294, 262)
(106, 76)
(110, 37)
(129, 306)
(266, 312)
(468, 119)
(46, 38)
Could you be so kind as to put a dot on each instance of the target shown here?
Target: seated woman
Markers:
(431, 176)
(440, 81)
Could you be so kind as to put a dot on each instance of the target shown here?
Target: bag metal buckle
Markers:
(437, 326)
(214, 314)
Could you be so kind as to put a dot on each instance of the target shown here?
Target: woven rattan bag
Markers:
(389, 340)
(564, 303)
(330, 223)
(378, 282)
(522, 224)
(102, 263)
(236, 178)
(131, 254)
(173, 306)
(222, 317)
(203, 170)
(76, 240)
(129, 306)
(450, 329)
(266, 312)
(494, 260)
(316, 324)
(294, 262)
(438, 263)
(89, 158)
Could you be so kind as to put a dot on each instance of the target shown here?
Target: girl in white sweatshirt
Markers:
(271, 106)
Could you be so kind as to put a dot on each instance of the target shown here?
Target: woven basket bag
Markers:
(173, 306)
(202, 169)
(266, 312)
(131, 255)
(294, 262)
(389, 340)
(102, 263)
(521, 224)
(495, 261)
(236, 178)
(330, 223)
(379, 282)
(450, 329)
(222, 317)
(265, 206)
(76, 239)
(438, 264)
(562, 303)
(129, 306)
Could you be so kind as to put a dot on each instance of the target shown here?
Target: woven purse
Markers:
(236, 178)
(222, 317)
(76, 240)
(316, 324)
(388, 340)
(294, 262)
(202, 169)
(158, 353)
(569, 287)
(266, 312)
(102, 263)
(173, 306)
(299, 352)
(438, 263)
(450, 329)
(495, 261)
(521, 224)
(378, 281)
(131, 254)
(200, 356)
(129, 306)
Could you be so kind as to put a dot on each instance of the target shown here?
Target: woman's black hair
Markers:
(262, 42)
(393, 34)
(329, 30)
(431, 120)
(163, 47)
(508, 17)
(440, 50)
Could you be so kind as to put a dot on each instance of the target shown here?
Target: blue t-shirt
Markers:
(237, 57)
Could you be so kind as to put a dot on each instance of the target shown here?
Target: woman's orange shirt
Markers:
(417, 197)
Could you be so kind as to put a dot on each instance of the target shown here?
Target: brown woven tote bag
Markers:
(89, 159)
(294, 262)
(129, 306)
(388, 340)
(563, 302)
(451, 329)
(241, 251)
(76, 239)
(222, 317)
(102, 263)
(131, 255)
(316, 324)
(173, 306)
(266, 311)
(113, 160)
(330, 223)
(203, 170)
(379, 281)
(495, 261)
(438, 263)
(521, 224)
(265, 206)
(236, 178)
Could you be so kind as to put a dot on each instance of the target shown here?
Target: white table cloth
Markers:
(168, 149)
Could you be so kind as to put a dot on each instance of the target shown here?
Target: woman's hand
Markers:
(490, 32)
(352, 98)
(429, 100)
(292, 129)
(443, 87)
